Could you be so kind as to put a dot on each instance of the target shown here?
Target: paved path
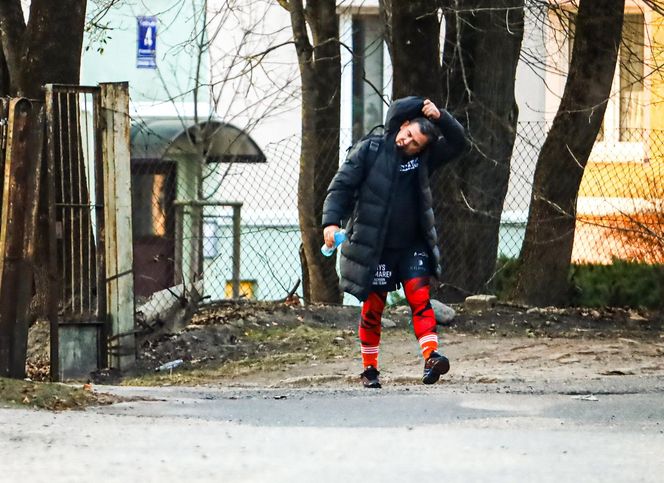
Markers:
(399, 434)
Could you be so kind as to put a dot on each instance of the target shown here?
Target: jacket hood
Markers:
(402, 110)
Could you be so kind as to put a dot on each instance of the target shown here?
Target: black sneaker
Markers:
(434, 367)
(370, 378)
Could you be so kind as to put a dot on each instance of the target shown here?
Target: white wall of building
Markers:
(254, 69)
(110, 56)
(529, 88)
(531, 93)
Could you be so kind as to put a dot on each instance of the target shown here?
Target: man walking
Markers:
(382, 192)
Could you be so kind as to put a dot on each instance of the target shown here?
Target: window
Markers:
(211, 239)
(367, 111)
(631, 74)
(623, 119)
(622, 133)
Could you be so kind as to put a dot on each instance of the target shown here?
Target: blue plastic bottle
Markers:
(339, 238)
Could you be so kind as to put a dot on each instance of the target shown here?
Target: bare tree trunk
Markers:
(546, 253)
(476, 83)
(4, 75)
(482, 47)
(320, 70)
(413, 32)
(46, 50)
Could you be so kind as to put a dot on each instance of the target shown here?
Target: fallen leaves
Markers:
(51, 396)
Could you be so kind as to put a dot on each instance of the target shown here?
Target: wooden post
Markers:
(116, 160)
(18, 231)
(53, 277)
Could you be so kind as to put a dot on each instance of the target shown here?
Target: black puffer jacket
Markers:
(364, 185)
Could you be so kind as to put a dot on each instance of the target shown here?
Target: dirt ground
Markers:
(277, 345)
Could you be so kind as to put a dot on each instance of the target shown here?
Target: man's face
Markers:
(410, 139)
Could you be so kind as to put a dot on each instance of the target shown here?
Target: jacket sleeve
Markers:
(452, 142)
(341, 192)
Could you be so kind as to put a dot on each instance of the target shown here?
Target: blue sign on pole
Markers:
(146, 53)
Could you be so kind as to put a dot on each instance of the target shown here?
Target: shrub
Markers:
(621, 284)
(505, 277)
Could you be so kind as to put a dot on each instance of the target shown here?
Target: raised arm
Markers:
(452, 142)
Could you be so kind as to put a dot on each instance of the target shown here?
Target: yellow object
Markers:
(247, 289)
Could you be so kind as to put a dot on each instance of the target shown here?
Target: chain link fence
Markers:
(620, 201)
(242, 237)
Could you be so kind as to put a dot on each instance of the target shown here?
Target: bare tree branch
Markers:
(300, 37)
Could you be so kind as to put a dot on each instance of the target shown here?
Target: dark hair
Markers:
(428, 128)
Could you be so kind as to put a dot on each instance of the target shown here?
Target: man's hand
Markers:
(328, 234)
(430, 110)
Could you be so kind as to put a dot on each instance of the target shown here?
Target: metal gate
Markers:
(65, 229)
(91, 301)
(77, 219)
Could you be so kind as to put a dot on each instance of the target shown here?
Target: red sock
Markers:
(424, 321)
(369, 330)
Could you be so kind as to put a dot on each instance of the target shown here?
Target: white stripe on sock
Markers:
(428, 338)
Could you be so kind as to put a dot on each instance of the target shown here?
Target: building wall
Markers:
(167, 90)
(657, 81)
(622, 188)
(254, 71)
(631, 170)
(531, 96)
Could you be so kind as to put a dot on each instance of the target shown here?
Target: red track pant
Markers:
(424, 322)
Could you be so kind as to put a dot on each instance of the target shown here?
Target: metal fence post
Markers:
(237, 219)
(179, 217)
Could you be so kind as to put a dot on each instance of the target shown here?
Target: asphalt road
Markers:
(421, 434)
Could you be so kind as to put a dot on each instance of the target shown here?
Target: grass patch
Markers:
(45, 395)
(184, 376)
(272, 349)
